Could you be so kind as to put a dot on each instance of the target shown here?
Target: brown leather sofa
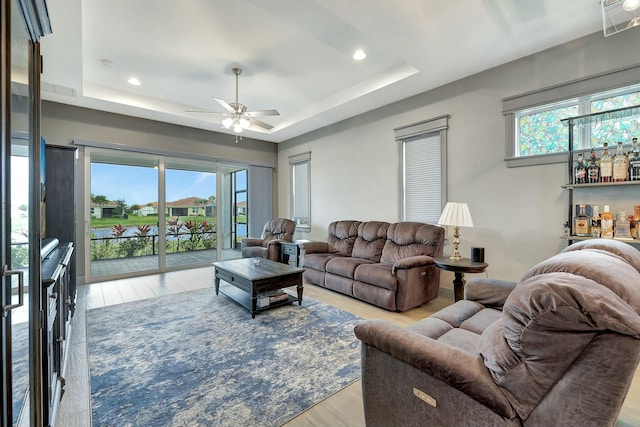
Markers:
(388, 265)
(559, 348)
(268, 245)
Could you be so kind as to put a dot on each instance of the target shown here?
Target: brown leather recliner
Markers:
(559, 348)
(268, 245)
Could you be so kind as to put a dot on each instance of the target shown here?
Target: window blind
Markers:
(422, 159)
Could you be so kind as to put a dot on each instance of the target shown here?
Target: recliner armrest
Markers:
(411, 262)
(315, 247)
(461, 370)
(488, 292)
(251, 241)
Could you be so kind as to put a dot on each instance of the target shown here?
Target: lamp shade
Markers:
(456, 214)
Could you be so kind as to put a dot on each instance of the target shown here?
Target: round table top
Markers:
(464, 265)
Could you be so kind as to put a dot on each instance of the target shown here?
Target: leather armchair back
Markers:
(278, 229)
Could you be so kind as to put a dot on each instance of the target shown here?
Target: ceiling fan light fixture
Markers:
(134, 81)
(630, 5)
(227, 123)
(244, 123)
(237, 128)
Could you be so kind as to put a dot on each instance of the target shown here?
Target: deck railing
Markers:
(113, 247)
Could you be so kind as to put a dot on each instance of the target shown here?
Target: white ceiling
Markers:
(296, 55)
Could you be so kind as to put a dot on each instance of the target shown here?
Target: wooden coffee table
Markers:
(249, 277)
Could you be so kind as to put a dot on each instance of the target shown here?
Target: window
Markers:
(535, 134)
(300, 177)
(422, 152)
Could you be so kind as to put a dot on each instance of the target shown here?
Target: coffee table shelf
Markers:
(242, 298)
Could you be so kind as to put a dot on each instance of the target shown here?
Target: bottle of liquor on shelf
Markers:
(606, 221)
(606, 165)
(623, 228)
(632, 226)
(634, 162)
(636, 220)
(593, 170)
(580, 171)
(620, 164)
(595, 222)
(582, 223)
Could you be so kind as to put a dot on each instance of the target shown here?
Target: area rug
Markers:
(197, 359)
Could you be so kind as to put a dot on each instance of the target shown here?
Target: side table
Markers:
(459, 267)
(290, 251)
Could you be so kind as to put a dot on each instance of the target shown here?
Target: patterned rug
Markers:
(197, 359)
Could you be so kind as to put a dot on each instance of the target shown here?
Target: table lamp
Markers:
(458, 215)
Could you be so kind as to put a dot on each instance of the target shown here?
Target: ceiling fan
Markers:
(237, 116)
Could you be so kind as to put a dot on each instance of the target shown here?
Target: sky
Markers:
(138, 185)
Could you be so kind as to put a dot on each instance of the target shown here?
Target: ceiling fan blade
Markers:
(263, 125)
(262, 113)
(225, 105)
(206, 112)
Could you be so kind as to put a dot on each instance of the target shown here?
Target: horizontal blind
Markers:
(422, 158)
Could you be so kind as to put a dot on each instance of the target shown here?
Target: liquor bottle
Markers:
(606, 221)
(623, 228)
(582, 223)
(580, 171)
(595, 222)
(606, 164)
(593, 170)
(634, 162)
(620, 165)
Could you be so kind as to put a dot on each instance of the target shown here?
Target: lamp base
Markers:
(456, 242)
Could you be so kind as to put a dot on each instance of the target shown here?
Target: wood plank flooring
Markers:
(343, 409)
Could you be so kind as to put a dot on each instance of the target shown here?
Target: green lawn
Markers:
(134, 220)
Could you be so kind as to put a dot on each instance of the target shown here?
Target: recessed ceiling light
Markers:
(359, 55)
(134, 81)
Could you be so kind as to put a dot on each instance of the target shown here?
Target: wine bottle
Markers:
(582, 224)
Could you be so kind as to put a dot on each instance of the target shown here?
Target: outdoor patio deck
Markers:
(113, 267)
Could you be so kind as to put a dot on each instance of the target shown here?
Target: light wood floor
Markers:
(343, 409)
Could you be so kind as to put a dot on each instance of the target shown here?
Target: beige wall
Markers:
(518, 212)
(62, 124)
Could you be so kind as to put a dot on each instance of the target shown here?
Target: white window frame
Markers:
(583, 91)
(300, 190)
(433, 131)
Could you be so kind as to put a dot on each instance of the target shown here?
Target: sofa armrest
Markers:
(315, 247)
(461, 370)
(251, 241)
(488, 292)
(411, 262)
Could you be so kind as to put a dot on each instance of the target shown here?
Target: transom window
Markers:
(538, 131)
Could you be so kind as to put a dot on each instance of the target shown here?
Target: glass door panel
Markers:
(16, 322)
(190, 213)
(124, 214)
(234, 210)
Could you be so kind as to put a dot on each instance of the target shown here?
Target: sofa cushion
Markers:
(371, 238)
(621, 249)
(376, 274)
(598, 266)
(345, 266)
(317, 261)
(342, 236)
(407, 239)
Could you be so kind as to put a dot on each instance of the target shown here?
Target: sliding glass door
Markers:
(155, 213)
(125, 220)
(191, 213)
